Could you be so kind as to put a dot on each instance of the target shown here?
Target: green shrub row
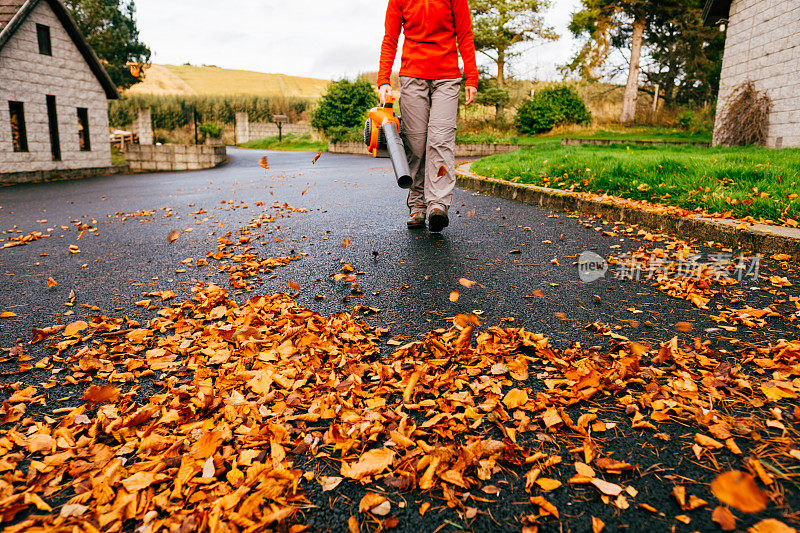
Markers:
(171, 112)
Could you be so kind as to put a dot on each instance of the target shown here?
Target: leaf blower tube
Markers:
(382, 137)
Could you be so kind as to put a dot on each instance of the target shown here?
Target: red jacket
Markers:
(431, 28)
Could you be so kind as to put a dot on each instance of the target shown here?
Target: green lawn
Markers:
(290, 142)
(619, 133)
(754, 182)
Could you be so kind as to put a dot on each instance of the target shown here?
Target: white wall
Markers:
(27, 76)
(763, 45)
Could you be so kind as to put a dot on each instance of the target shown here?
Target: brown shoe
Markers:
(437, 220)
(416, 220)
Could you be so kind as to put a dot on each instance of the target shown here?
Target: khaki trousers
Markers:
(429, 109)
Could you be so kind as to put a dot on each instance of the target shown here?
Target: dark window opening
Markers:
(52, 120)
(43, 33)
(19, 135)
(83, 130)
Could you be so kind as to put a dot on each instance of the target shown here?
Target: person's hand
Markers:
(384, 91)
(470, 93)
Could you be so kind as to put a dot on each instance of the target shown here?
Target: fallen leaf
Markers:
(208, 468)
(771, 525)
(40, 443)
(371, 462)
(208, 444)
(97, 394)
(723, 517)
(292, 285)
(545, 507)
(329, 482)
(316, 157)
(370, 500)
(72, 329)
(7, 314)
(515, 398)
(607, 488)
(466, 282)
(173, 235)
(442, 171)
(454, 296)
(51, 282)
(684, 327)
(739, 490)
(597, 525)
(345, 242)
(382, 509)
(548, 485)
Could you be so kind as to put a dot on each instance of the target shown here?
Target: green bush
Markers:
(551, 107)
(686, 120)
(344, 106)
(210, 129)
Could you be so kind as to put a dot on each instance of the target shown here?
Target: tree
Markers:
(344, 105)
(682, 56)
(110, 28)
(500, 25)
(602, 21)
(685, 56)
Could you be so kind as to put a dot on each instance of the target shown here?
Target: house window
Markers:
(19, 136)
(43, 33)
(52, 120)
(83, 130)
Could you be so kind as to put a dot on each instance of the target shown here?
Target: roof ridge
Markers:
(68, 22)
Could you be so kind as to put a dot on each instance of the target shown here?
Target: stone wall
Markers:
(172, 157)
(763, 45)
(462, 150)
(247, 131)
(37, 176)
(27, 76)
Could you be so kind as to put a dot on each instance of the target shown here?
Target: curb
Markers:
(755, 239)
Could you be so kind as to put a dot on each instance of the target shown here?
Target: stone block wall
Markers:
(763, 45)
(27, 76)
(247, 131)
(173, 157)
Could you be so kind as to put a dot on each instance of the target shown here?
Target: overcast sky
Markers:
(316, 38)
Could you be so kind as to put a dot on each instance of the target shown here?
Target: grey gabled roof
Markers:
(14, 12)
(715, 11)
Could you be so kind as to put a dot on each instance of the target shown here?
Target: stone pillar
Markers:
(242, 128)
(143, 127)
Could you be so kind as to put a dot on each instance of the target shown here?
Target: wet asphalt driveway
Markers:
(522, 258)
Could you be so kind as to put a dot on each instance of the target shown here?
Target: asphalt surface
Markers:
(516, 253)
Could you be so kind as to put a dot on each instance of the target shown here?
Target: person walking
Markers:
(435, 32)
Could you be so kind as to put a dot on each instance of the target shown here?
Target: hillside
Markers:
(171, 79)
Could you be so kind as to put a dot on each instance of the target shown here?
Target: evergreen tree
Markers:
(110, 28)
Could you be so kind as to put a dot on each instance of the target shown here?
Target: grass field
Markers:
(754, 182)
(641, 133)
(171, 79)
(290, 142)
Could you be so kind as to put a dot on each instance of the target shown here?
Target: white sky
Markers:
(316, 38)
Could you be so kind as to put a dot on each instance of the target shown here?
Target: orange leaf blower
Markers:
(382, 137)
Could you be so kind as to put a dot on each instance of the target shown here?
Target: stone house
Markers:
(54, 94)
(763, 45)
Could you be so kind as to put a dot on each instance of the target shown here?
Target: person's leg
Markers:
(441, 145)
(415, 109)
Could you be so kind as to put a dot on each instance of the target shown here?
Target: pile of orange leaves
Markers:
(254, 391)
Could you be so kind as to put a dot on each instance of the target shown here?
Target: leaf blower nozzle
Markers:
(382, 137)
